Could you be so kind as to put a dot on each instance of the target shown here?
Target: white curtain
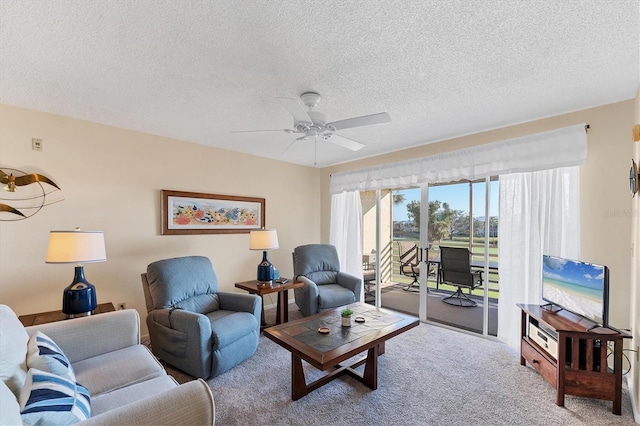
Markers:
(346, 232)
(539, 214)
(540, 151)
(539, 205)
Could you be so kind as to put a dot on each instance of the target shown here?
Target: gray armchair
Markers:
(325, 287)
(192, 325)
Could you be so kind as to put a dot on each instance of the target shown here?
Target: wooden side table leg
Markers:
(279, 308)
(298, 382)
(285, 305)
(263, 323)
(282, 307)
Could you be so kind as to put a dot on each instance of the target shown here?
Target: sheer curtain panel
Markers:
(346, 232)
(539, 214)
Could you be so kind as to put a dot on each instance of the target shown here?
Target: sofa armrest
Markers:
(240, 302)
(86, 337)
(349, 281)
(188, 404)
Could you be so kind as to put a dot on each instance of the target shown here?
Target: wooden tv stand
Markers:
(585, 371)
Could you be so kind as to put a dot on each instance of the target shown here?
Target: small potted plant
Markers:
(346, 317)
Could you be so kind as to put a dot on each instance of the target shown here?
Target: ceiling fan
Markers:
(313, 124)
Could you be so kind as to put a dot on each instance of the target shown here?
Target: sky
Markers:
(574, 272)
(457, 195)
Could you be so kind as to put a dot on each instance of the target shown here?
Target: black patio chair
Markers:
(455, 269)
(409, 256)
(369, 275)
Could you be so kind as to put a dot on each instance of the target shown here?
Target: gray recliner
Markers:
(325, 287)
(192, 325)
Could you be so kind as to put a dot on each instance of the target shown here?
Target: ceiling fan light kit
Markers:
(312, 124)
(310, 99)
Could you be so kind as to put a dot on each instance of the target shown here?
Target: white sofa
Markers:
(127, 385)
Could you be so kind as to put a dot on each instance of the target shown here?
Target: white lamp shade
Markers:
(263, 239)
(76, 247)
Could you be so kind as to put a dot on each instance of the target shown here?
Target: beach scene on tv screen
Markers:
(575, 286)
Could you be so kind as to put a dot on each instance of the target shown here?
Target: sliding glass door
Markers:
(459, 218)
(376, 243)
(461, 215)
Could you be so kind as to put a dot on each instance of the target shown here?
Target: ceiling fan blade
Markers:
(291, 144)
(343, 142)
(365, 120)
(256, 131)
(296, 109)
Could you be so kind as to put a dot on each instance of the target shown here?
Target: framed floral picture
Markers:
(197, 213)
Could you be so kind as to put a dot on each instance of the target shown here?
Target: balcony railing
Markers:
(477, 253)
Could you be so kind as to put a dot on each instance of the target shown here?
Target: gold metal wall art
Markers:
(24, 194)
(634, 178)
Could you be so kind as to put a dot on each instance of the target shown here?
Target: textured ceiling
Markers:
(197, 70)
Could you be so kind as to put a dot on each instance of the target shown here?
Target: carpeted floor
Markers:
(428, 376)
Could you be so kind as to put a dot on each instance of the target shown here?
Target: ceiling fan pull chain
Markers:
(315, 151)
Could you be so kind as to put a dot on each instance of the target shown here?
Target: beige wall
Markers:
(605, 200)
(111, 180)
(634, 379)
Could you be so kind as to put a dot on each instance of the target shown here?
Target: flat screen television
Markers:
(578, 287)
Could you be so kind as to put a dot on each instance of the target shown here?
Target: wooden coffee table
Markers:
(327, 351)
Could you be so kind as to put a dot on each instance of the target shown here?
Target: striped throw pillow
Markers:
(48, 399)
(44, 355)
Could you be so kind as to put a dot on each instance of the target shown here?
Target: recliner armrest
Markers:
(240, 302)
(349, 281)
(305, 295)
(310, 287)
(188, 404)
(107, 332)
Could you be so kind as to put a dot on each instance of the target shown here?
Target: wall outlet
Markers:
(36, 144)
(122, 305)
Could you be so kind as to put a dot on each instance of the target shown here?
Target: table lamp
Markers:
(264, 239)
(79, 298)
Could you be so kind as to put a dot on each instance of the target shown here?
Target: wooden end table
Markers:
(259, 288)
(53, 316)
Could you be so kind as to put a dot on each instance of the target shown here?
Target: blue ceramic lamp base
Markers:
(266, 271)
(79, 298)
